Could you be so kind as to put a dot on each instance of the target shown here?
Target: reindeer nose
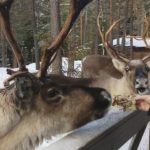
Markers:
(102, 98)
(105, 95)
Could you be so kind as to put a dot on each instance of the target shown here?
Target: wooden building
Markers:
(136, 45)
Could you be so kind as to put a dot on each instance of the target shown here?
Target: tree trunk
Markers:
(110, 18)
(70, 67)
(4, 57)
(96, 37)
(85, 26)
(131, 29)
(81, 29)
(34, 28)
(55, 28)
(125, 25)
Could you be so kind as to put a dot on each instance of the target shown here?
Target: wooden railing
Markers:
(108, 133)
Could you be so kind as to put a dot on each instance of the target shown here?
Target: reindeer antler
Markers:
(104, 36)
(145, 33)
(6, 29)
(146, 27)
(75, 8)
(50, 53)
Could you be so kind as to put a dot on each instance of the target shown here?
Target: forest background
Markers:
(36, 22)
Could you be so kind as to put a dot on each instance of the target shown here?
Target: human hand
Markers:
(142, 103)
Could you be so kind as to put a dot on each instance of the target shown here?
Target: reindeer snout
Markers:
(141, 86)
(102, 101)
(105, 95)
(102, 98)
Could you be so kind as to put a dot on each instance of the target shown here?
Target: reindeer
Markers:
(117, 74)
(34, 107)
(53, 109)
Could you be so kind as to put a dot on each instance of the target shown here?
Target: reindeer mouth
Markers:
(98, 115)
(142, 90)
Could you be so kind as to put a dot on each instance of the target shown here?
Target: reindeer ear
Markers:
(24, 88)
(119, 65)
(52, 95)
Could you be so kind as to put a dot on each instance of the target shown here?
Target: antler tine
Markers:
(110, 50)
(100, 31)
(18, 74)
(75, 8)
(6, 29)
(145, 31)
(146, 58)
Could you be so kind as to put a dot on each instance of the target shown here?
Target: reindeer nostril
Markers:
(106, 95)
(137, 82)
(101, 96)
(104, 100)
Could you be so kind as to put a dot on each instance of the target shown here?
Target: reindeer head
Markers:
(73, 105)
(64, 104)
(134, 71)
(136, 74)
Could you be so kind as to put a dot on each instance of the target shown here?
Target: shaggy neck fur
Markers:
(11, 110)
(30, 132)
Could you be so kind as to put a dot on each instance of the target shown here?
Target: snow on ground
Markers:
(3, 76)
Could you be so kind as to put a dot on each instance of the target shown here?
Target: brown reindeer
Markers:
(51, 110)
(34, 107)
(117, 74)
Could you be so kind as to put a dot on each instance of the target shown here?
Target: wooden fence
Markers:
(108, 133)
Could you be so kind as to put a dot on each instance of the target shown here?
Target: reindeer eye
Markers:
(52, 92)
(54, 96)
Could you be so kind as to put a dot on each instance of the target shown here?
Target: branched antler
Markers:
(104, 36)
(75, 8)
(50, 53)
(111, 50)
(146, 26)
(6, 29)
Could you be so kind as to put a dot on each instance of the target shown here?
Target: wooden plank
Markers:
(80, 137)
(118, 134)
(144, 143)
(137, 139)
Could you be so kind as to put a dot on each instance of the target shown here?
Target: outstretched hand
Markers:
(142, 103)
